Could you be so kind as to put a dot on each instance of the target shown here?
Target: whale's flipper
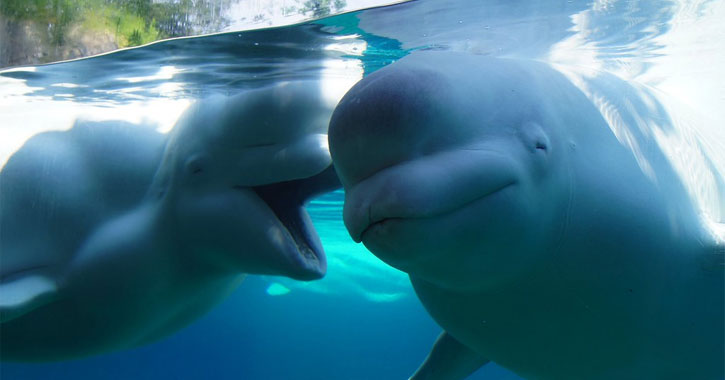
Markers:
(449, 359)
(23, 294)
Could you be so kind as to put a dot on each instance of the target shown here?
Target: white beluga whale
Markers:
(114, 235)
(530, 233)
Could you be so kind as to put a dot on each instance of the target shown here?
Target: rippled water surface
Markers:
(655, 69)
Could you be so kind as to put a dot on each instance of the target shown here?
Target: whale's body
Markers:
(114, 235)
(530, 233)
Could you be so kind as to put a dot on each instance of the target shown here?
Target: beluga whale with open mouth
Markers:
(530, 233)
(114, 235)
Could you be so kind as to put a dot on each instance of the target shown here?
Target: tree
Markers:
(40, 31)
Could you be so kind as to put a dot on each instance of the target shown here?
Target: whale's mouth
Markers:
(383, 220)
(287, 200)
(427, 187)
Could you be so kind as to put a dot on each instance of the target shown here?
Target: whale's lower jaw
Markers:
(287, 200)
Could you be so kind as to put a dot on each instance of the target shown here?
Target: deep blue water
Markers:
(255, 336)
(329, 332)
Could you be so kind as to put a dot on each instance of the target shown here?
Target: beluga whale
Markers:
(115, 235)
(531, 234)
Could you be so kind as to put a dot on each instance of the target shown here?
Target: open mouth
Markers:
(288, 200)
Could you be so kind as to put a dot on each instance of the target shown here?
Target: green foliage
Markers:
(132, 22)
(57, 14)
(40, 31)
(32, 9)
(128, 28)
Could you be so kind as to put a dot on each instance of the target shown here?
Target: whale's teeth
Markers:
(290, 213)
(307, 252)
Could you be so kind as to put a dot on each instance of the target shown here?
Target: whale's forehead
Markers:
(257, 137)
(387, 109)
(423, 105)
(269, 115)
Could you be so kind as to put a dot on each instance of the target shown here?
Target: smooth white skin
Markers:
(115, 236)
(530, 234)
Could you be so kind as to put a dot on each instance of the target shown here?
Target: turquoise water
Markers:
(363, 320)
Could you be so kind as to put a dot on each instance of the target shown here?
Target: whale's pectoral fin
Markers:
(23, 294)
(449, 359)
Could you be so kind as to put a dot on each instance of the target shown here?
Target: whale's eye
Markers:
(195, 165)
(195, 169)
(534, 137)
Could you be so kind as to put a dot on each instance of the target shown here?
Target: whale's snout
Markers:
(427, 187)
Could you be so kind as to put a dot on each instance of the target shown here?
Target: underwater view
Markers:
(239, 189)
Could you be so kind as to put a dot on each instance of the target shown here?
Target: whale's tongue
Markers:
(287, 200)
